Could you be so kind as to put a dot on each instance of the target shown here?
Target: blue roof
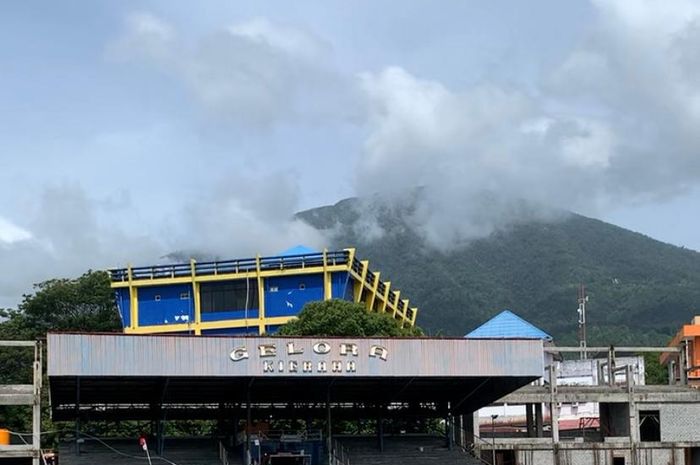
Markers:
(508, 325)
(298, 250)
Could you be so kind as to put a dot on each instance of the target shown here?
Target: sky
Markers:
(132, 129)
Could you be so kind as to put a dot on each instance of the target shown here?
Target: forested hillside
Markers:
(640, 289)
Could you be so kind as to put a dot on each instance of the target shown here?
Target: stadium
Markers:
(199, 346)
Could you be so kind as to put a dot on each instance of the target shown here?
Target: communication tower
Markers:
(582, 300)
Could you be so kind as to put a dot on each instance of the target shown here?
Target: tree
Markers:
(82, 304)
(654, 372)
(343, 318)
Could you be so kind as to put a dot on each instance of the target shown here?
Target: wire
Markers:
(124, 454)
(94, 438)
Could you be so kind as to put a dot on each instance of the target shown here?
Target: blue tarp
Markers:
(508, 325)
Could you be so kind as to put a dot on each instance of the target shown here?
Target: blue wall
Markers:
(124, 306)
(160, 305)
(342, 285)
(286, 295)
(232, 315)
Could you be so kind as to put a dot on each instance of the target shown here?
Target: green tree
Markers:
(343, 318)
(85, 303)
(654, 372)
(82, 304)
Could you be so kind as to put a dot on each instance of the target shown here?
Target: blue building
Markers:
(250, 295)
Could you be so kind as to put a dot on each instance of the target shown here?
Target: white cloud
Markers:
(255, 72)
(615, 122)
(11, 233)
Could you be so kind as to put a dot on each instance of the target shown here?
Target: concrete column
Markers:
(553, 405)
(449, 431)
(329, 433)
(471, 430)
(380, 434)
(538, 421)
(459, 431)
(248, 424)
(671, 372)
(36, 407)
(683, 363)
(529, 420)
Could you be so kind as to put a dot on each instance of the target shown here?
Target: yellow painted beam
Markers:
(395, 303)
(351, 255)
(196, 298)
(261, 298)
(373, 292)
(385, 297)
(360, 284)
(133, 301)
(185, 327)
(327, 284)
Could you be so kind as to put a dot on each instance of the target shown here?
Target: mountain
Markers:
(641, 290)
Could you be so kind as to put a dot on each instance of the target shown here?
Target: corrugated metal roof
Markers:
(508, 325)
(298, 250)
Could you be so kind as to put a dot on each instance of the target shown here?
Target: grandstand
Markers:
(249, 295)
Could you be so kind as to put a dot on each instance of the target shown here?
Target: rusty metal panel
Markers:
(124, 355)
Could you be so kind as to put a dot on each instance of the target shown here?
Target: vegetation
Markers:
(641, 290)
(343, 318)
(82, 304)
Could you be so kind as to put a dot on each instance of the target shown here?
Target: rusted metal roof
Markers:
(119, 369)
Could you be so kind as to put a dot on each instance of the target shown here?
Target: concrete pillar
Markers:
(329, 433)
(553, 405)
(530, 420)
(683, 363)
(459, 431)
(248, 424)
(36, 406)
(671, 373)
(449, 431)
(538, 421)
(471, 430)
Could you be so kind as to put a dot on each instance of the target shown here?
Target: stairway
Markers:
(405, 450)
(128, 452)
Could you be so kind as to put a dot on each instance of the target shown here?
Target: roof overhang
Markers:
(167, 371)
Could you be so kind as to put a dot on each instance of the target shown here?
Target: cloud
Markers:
(11, 233)
(615, 122)
(255, 72)
(64, 236)
(244, 215)
(69, 232)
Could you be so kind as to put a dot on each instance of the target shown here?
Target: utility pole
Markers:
(582, 300)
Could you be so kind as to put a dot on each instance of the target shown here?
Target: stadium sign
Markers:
(324, 357)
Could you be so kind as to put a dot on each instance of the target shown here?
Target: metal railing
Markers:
(242, 265)
(339, 454)
(223, 454)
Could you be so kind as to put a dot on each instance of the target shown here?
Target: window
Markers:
(185, 296)
(618, 461)
(229, 296)
(649, 425)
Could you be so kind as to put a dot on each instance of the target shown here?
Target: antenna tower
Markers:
(582, 300)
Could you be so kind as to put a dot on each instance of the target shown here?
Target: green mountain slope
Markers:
(640, 289)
